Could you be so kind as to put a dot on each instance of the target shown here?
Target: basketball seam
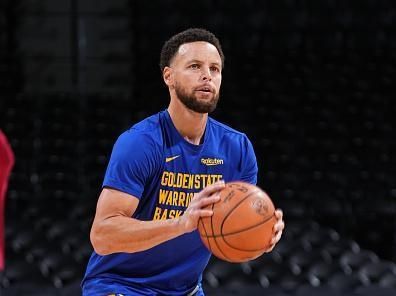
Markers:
(235, 232)
(246, 250)
(232, 209)
(242, 230)
(214, 238)
(223, 236)
(206, 233)
(250, 227)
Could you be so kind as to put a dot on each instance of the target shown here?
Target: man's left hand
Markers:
(277, 230)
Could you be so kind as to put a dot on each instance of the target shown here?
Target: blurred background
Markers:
(312, 83)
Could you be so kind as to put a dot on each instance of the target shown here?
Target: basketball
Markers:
(240, 228)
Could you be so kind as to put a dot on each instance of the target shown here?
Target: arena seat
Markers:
(388, 281)
(219, 272)
(271, 273)
(352, 262)
(308, 290)
(336, 248)
(344, 283)
(300, 261)
(374, 290)
(373, 272)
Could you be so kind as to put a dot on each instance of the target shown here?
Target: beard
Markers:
(193, 103)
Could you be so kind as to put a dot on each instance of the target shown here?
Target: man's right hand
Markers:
(197, 207)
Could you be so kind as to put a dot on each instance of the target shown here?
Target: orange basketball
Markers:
(240, 228)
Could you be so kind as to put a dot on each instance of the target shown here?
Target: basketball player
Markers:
(162, 173)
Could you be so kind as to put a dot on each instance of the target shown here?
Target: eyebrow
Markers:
(200, 62)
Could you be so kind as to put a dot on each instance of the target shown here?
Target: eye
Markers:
(194, 66)
(214, 69)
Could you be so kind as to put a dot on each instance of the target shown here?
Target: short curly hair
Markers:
(171, 46)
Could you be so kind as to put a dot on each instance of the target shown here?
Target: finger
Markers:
(203, 202)
(205, 213)
(275, 239)
(210, 189)
(270, 248)
(278, 214)
(278, 236)
(279, 226)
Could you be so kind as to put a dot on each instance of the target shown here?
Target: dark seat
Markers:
(374, 290)
(318, 237)
(388, 280)
(53, 262)
(66, 274)
(354, 261)
(22, 241)
(219, 272)
(320, 272)
(271, 273)
(19, 272)
(39, 250)
(307, 290)
(71, 242)
(245, 290)
(336, 248)
(290, 282)
(61, 229)
(240, 280)
(300, 261)
(373, 272)
(297, 228)
(272, 258)
(286, 247)
(82, 254)
(344, 283)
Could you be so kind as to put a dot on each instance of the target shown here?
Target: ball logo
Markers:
(260, 207)
(229, 196)
(239, 187)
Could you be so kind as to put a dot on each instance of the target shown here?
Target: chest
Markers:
(195, 170)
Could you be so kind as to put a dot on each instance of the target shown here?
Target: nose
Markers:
(206, 76)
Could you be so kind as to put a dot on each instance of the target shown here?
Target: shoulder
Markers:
(143, 138)
(147, 131)
(223, 129)
(230, 137)
(148, 124)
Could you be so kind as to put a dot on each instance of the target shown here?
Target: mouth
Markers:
(205, 89)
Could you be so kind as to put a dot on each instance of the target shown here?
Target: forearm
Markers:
(124, 234)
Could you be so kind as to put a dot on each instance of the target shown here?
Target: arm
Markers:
(113, 229)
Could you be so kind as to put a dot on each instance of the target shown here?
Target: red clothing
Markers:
(6, 164)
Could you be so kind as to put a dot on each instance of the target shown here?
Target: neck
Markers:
(191, 125)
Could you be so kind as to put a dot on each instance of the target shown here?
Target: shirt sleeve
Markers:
(132, 163)
(249, 168)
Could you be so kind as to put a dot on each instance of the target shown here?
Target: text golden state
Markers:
(177, 190)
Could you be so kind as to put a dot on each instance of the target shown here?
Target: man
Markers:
(158, 181)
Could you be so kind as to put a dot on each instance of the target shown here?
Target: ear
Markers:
(167, 75)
